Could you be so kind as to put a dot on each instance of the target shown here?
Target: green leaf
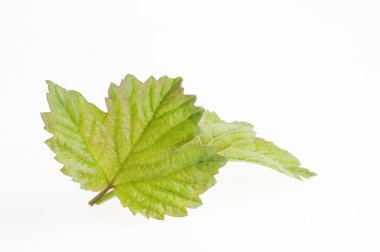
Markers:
(154, 149)
(141, 149)
(237, 142)
(80, 140)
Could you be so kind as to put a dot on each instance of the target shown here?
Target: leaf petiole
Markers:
(100, 195)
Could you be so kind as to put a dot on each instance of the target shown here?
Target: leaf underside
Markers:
(154, 149)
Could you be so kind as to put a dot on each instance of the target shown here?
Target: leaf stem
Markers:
(100, 195)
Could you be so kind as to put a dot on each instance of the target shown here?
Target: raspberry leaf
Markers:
(140, 149)
(153, 149)
(237, 142)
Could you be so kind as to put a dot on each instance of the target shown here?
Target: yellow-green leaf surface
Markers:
(237, 142)
(80, 140)
(141, 149)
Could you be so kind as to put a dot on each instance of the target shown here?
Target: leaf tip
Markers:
(50, 84)
(178, 80)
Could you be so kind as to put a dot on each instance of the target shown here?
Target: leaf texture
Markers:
(140, 148)
(237, 142)
(153, 149)
(80, 140)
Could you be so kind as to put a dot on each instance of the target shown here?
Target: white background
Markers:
(305, 73)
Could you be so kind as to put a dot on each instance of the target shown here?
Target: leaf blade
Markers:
(161, 121)
(75, 146)
(238, 142)
(139, 151)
